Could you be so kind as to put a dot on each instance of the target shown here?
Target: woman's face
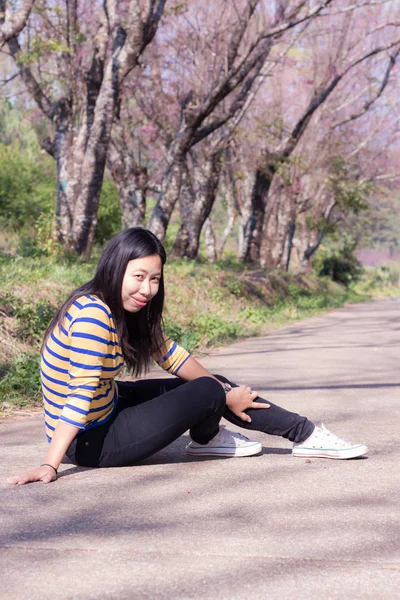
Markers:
(141, 282)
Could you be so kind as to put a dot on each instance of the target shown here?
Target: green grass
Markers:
(206, 306)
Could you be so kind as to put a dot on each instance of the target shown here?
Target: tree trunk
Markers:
(244, 205)
(196, 209)
(309, 241)
(132, 183)
(81, 157)
(59, 149)
(278, 230)
(229, 191)
(12, 23)
(289, 245)
(252, 230)
(210, 241)
(167, 199)
(133, 206)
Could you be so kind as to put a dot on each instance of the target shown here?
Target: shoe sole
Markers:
(336, 455)
(256, 449)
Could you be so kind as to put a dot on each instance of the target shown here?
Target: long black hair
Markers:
(139, 334)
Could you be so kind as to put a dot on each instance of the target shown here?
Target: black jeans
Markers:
(153, 413)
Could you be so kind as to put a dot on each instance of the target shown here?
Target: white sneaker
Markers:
(324, 444)
(225, 443)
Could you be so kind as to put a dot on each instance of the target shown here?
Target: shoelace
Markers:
(225, 435)
(333, 438)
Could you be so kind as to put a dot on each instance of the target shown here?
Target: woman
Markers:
(116, 319)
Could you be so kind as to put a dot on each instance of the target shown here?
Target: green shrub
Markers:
(21, 383)
(32, 319)
(336, 260)
(27, 186)
(296, 292)
(109, 216)
(255, 314)
(214, 329)
(187, 338)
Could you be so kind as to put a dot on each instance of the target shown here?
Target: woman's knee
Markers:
(210, 389)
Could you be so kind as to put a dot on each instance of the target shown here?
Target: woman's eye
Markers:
(140, 277)
(156, 279)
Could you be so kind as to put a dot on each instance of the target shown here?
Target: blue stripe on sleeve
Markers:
(90, 388)
(71, 422)
(49, 426)
(81, 411)
(171, 350)
(77, 304)
(79, 397)
(181, 365)
(85, 367)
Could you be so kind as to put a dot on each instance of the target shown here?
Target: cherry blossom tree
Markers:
(12, 21)
(340, 55)
(73, 61)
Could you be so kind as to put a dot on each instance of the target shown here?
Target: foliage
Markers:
(27, 187)
(32, 318)
(109, 217)
(351, 194)
(21, 383)
(220, 306)
(337, 260)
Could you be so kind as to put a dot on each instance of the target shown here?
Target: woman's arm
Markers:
(238, 399)
(191, 369)
(62, 437)
(84, 343)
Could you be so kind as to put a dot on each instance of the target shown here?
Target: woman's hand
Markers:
(45, 474)
(240, 399)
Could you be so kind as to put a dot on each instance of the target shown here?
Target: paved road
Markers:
(267, 527)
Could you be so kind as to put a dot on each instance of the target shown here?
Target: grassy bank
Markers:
(206, 305)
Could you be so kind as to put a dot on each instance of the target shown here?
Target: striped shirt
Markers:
(79, 364)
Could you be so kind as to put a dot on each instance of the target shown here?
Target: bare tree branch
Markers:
(6, 81)
(239, 72)
(12, 24)
(289, 143)
(32, 85)
(239, 31)
(356, 6)
(379, 92)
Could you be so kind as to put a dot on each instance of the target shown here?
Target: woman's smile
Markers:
(140, 303)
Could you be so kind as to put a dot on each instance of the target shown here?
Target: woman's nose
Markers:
(145, 288)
